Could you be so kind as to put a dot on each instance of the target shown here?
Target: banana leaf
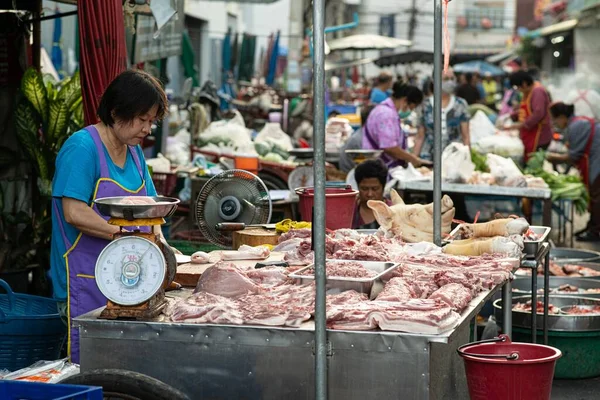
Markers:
(58, 122)
(32, 86)
(27, 125)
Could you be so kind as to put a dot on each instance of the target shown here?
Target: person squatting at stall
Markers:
(370, 176)
(532, 116)
(383, 132)
(101, 160)
(583, 141)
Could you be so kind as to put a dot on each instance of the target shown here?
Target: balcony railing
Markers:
(476, 18)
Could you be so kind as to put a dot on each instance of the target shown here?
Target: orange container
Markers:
(246, 162)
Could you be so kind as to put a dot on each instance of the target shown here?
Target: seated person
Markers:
(370, 176)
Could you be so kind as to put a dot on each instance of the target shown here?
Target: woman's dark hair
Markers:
(371, 169)
(364, 114)
(131, 94)
(559, 108)
(412, 94)
(518, 78)
(334, 114)
(384, 78)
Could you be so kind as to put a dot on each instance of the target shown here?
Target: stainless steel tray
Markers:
(522, 285)
(568, 255)
(533, 246)
(162, 208)
(594, 265)
(556, 322)
(361, 285)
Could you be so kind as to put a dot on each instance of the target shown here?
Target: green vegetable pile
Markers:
(480, 161)
(564, 187)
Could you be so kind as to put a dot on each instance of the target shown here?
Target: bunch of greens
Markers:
(480, 161)
(564, 187)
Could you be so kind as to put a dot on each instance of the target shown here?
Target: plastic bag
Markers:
(505, 171)
(457, 166)
(274, 135)
(45, 372)
(402, 174)
(505, 146)
(480, 127)
(160, 164)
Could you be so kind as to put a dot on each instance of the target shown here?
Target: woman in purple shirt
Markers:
(382, 130)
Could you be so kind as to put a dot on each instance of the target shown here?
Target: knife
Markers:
(238, 226)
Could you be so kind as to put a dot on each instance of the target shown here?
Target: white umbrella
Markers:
(367, 42)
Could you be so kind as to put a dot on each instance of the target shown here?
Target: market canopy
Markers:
(481, 67)
(333, 65)
(420, 56)
(367, 42)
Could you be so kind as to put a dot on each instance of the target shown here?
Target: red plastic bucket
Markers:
(340, 204)
(498, 369)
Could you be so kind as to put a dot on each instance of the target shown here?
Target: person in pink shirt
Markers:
(383, 132)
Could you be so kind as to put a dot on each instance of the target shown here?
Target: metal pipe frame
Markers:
(319, 201)
(437, 122)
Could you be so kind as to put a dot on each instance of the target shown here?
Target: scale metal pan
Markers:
(137, 207)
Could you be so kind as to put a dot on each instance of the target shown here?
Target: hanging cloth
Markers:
(103, 54)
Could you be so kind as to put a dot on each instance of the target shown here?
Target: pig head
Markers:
(412, 223)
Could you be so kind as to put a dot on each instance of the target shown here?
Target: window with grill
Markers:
(476, 15)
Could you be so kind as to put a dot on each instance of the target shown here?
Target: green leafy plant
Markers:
(47, 113)
(564, 187)
(480, 161)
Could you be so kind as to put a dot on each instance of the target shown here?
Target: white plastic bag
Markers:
(160, 164)
(505, 146)
(45, 371)
(274, 135)
(457, 166)
(505, 171)
(402, 174)
(480, 127)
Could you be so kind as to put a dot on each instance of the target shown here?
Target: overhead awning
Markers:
(551, 29)
(333, 65)
(496, 58)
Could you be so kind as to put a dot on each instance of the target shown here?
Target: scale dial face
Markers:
(130, 270)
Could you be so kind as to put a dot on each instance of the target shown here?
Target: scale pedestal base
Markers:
(141, 312)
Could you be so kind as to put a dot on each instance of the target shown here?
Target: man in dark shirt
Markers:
(468, 90)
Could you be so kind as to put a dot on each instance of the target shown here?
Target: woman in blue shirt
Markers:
(101, 160)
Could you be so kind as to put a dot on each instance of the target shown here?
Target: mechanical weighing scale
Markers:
(136, 267)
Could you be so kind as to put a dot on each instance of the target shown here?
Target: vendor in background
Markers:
(383, 132)
(533, 119)
(101, 160)
(381, 90)
(370, 176)
(584, 152)
(455, 121)
(491, 88)
(467, 89)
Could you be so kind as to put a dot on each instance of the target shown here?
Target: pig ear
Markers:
(396, 199)
(383, 213)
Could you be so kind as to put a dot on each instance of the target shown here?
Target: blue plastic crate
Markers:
(16, 390)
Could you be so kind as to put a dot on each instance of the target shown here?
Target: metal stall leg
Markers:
(546, 293)
(507, 307)
(319, 209)
(437, 122)
(534, 303)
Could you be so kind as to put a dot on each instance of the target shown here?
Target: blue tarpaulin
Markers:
(273, 62)
(481, 67)
(56, 54)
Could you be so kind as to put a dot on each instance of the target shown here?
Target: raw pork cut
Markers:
(454, 294)
(268, 276)
(295, 233)
(206, 308)
(137, 200)
(397, 289)
(227, 280)
(344, 269)
(200, 257)
(247, 253)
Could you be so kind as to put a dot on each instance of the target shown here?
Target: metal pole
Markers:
(319, 202)
(437, 123)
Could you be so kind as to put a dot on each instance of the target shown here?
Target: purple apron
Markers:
(80, 258)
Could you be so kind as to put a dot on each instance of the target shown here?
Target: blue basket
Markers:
(30, 329)
(15, 390)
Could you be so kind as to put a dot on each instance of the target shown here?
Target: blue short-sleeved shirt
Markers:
(378, 96)
(77, 171)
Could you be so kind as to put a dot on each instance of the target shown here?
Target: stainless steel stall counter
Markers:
(247, 362)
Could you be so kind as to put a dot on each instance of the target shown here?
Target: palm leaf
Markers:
(58, 121)
(32, 86)
(27, 125)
